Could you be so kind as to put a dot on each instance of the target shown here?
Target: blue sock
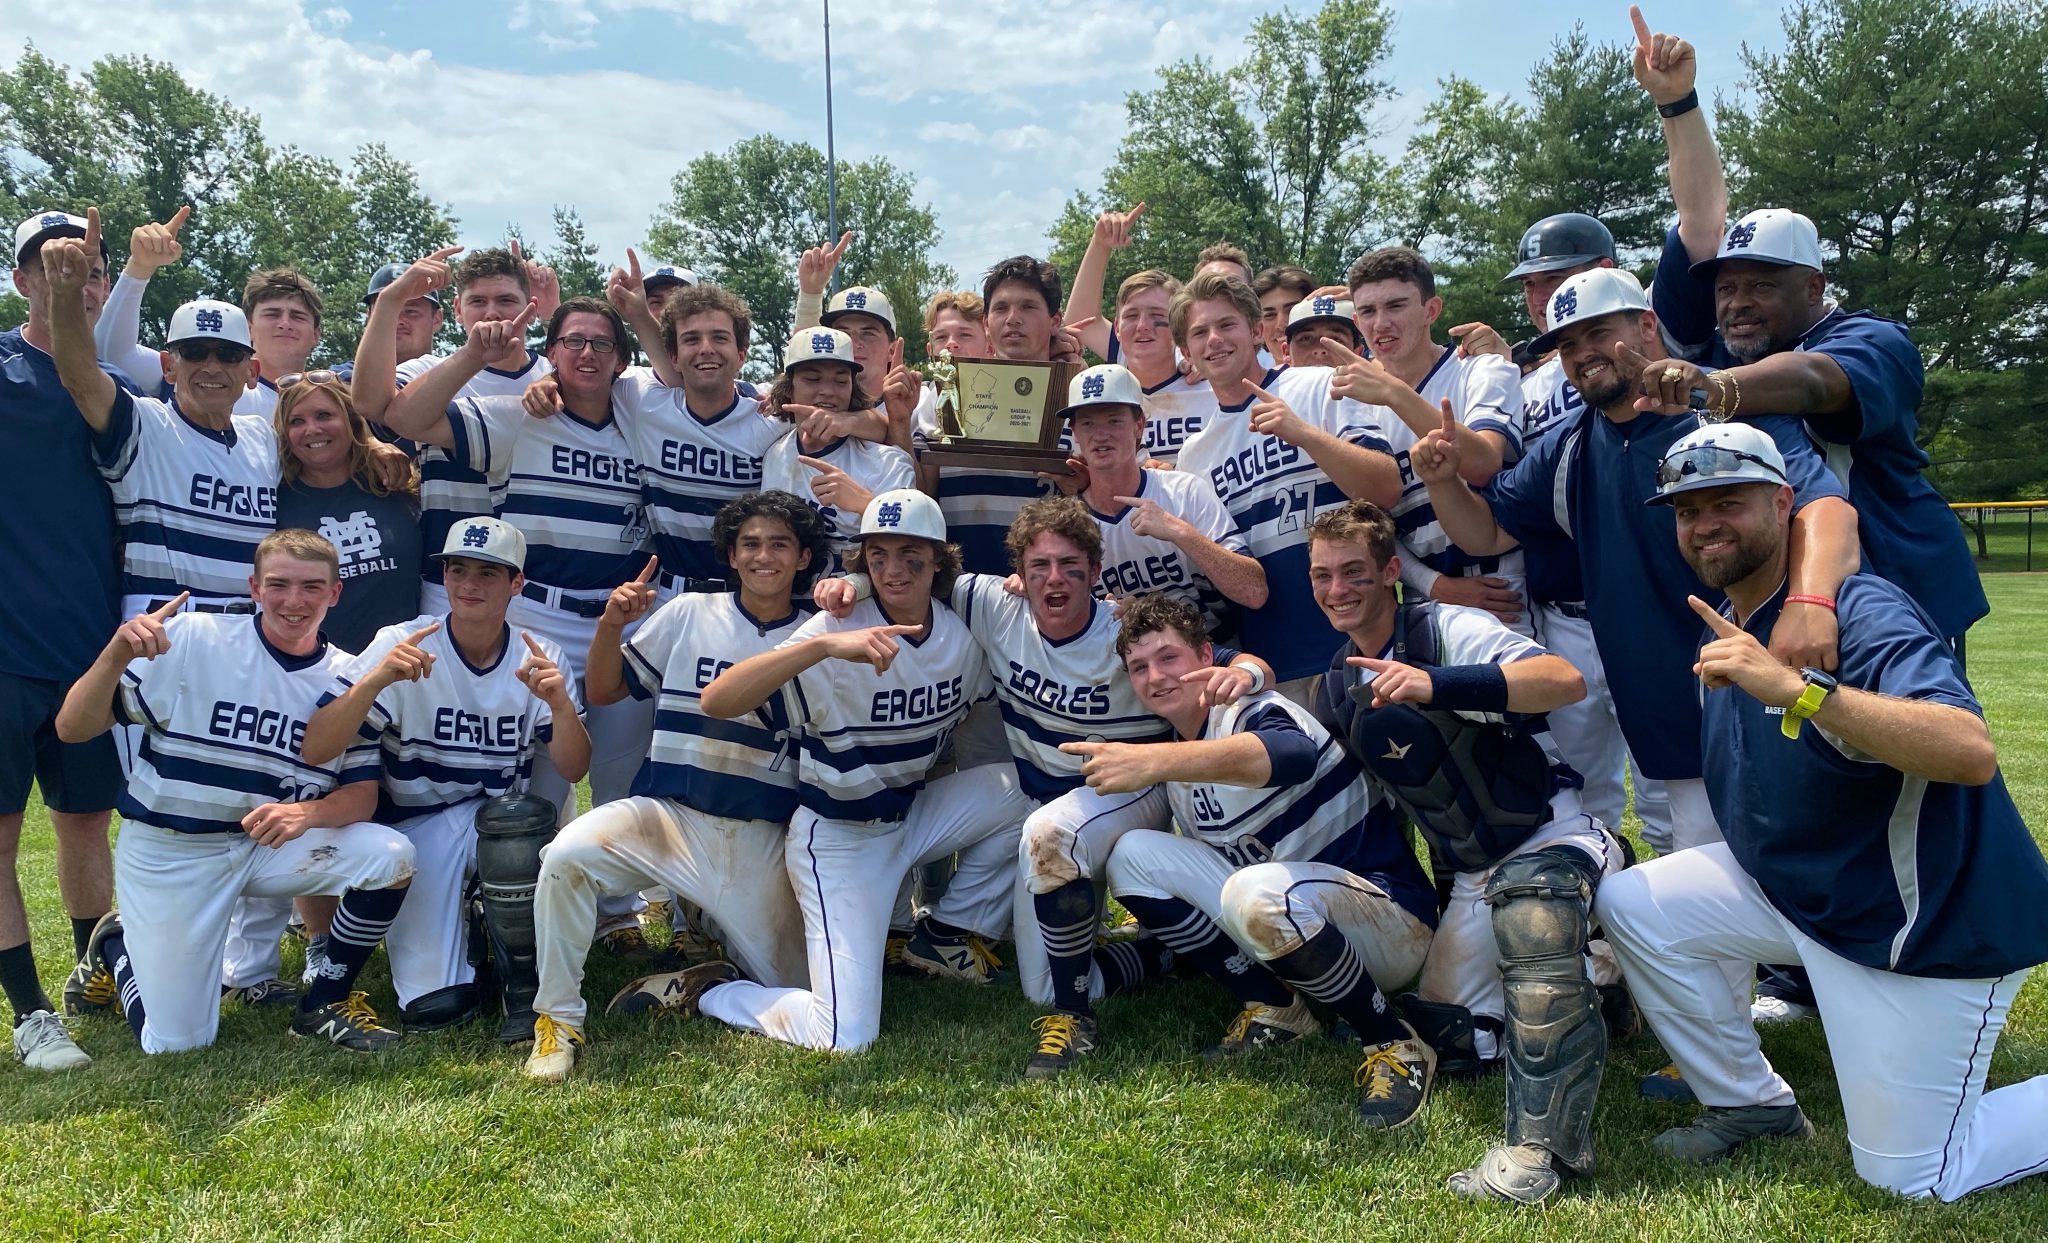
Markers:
(114, 957)
(1067, 923)
(1194, 936)
(1127, 964)
(1326, 968)
(359, 924)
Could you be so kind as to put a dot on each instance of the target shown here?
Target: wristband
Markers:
(1826, 602)
(1469, 688)
(1680, 106)
(1258, 677)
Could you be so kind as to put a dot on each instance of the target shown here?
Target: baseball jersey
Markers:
(1315, 808)
(1549, 403)
(869, 740)
(224, 714)
(1485, 393)
(570, 486)
(58, 559)
(1273, 490)
(1175, 408)
(1050, 692)
(453, 486)
(192, 502)
(378, 541)
(690, 467)
(460, 733)
(878, 468)
(1138, 565)
(1887, 869)
(744, 768)
(1591, 484)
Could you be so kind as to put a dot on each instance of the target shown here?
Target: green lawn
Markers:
(690, 1131)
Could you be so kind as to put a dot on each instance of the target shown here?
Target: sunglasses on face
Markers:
(596, 345)
(1706, 462)
(199, 351)
(297, 378)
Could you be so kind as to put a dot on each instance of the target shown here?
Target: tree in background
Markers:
(1920, 150)
(741, 217)
(574, 258)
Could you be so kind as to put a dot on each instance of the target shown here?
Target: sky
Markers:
(1000, 109)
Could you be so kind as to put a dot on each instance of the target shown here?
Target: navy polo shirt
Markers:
(59, 568)
(1909, 534)
(1636, 582)
(1888, 870)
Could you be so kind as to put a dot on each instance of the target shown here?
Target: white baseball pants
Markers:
(1070, 839)
(1272, 909)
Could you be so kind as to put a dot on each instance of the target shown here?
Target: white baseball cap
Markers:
(1715, 456)
(208, 319)
(861, 300)
(1325, 309)
(1107, 385)
(48, 224)
(818, 345)
(1589, 295)
(1769, 235)
(904, 511)
(485, 539)
(666, 274)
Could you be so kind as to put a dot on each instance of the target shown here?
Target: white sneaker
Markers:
(1778, 1010)
(42, 1043)
(554, 1050)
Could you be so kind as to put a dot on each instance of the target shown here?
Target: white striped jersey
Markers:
(459, 733)
(868, 741)
(877, 467)
(1548, 400)
(223, 715)
(1139, 565)
(1273, 490)
(1174, 411)
(571, 487)
(744, 768)
(192, 503)
(1324, 819)
(690, 467)
(1073, 690)
(1485, 393)
(259, 399)
(452, 485)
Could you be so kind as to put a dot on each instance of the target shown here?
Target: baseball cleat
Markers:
(892, 953)
(1117, 930)
(268, 993)
(89, 989)
(1396, 1077)
(1767, 1009)
(967, 958)
(349, 1023)
(1518, 1174)
(1618, 1011)
(687, 947)
(295, 929)
(554, 1050)
(1063, 1039)
(671, 992)
(1666, 1084)
(41, 1042)
(1258, 1027)
(629, 944)
(1721, 1129)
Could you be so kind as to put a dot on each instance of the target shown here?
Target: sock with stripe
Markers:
(1194, 936)
(359, 924)
(1127, 964)
(114, 957)
(1326, 968)
(1067, 923)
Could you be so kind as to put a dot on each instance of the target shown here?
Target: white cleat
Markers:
(42, 1043)
(554, 1050)
(1778, 1010)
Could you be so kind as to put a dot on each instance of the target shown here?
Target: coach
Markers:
(1869, 838)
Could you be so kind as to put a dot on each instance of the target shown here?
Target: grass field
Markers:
(689, 1131)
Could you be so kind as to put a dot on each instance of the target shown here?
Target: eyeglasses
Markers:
(199, 351)
(297, 378)
(1707, 461)
(596, 345)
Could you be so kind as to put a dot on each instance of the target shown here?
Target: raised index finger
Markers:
(1712, 616)
(531, 646)
(444, 253)
(648, 571)
(1131, 217)
(92, 234)
(1450, 419)
(414, 638)
(1635, 14)
(171, 606)
(178, 219)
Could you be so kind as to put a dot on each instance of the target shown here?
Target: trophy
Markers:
(998, 413)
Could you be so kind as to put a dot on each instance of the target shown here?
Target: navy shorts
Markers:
(75, 776)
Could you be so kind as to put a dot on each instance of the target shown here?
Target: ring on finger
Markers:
(1673, 374)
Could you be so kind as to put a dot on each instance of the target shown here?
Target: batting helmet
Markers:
(381, 279)
(1565, 240)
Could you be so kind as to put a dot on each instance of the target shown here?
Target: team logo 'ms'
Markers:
(52, 220)
(1324, 306)
(856, 301)
(1091, 386)
(1740, 237)
(475, 536)
(890, 514)
(821, 343)
(208, 321)
(1566, 305)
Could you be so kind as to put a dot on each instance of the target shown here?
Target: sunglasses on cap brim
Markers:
(1708, 462)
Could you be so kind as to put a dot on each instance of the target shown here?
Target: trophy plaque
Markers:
(995, 413)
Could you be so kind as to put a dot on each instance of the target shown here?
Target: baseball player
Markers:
(953, 325)
(662, 280)
(1225, 259)
(1280, 288)
(1311, 322)
(838, 473)
(713, 801)
(221, 804)
(457, 705)
(58, 559)
(1279, 449)
(1870, 838)
(1162, 530)
(1419, 693)
(866, 814)
(419, 317)
(1259, 781)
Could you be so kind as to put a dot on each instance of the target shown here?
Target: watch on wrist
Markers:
(1679, 107)
(1819, 685)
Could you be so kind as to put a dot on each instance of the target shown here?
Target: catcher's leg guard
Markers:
(444, 1007)
(1451, 1030)
(511, 829)
(1556, 1041)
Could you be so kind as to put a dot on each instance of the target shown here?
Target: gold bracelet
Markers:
(1735, 384)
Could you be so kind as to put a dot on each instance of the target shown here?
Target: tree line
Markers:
(1919, 147)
